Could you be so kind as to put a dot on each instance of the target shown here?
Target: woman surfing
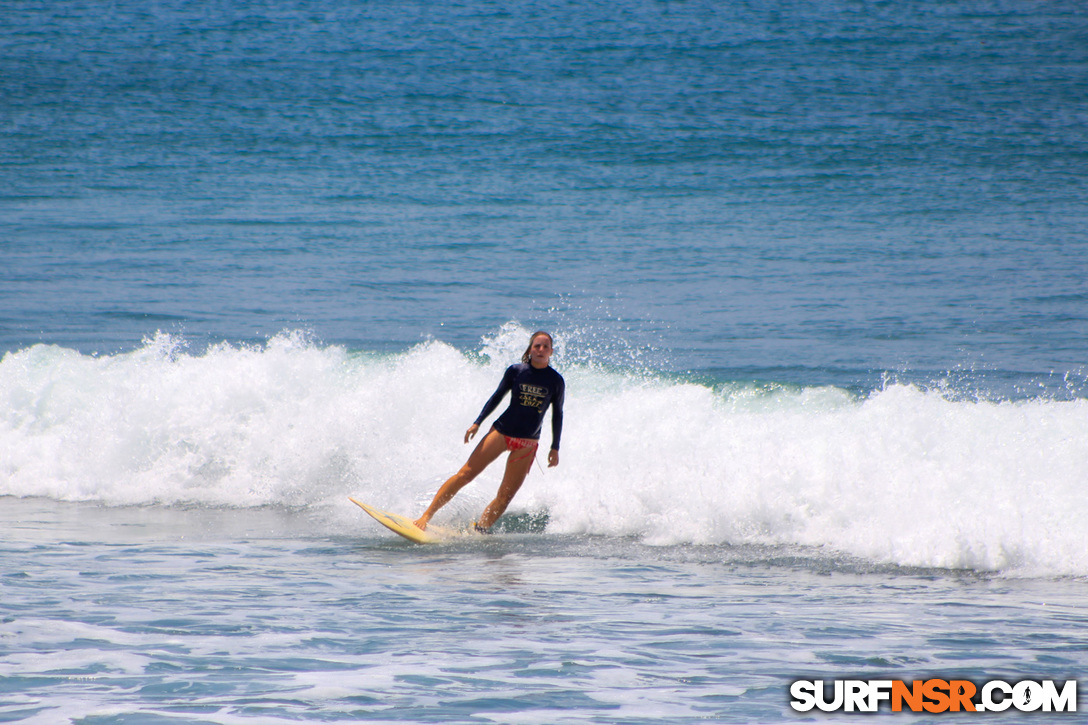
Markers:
(533, 386)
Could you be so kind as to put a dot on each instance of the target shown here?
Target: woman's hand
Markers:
(553, 458)
(471, 432)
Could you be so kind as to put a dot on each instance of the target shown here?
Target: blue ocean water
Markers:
(816, 272)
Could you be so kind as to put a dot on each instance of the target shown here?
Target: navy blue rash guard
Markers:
(532, 391)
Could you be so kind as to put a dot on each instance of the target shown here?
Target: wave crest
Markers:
(901, 475)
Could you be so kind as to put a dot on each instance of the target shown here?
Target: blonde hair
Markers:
(526, 356)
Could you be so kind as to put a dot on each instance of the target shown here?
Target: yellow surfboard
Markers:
(405, 527)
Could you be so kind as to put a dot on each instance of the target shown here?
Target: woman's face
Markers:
(540, 351)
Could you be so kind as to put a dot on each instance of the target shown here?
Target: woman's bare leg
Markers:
(517, 468)
(490, 448)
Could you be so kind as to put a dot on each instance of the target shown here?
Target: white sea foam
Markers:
(903, 475)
